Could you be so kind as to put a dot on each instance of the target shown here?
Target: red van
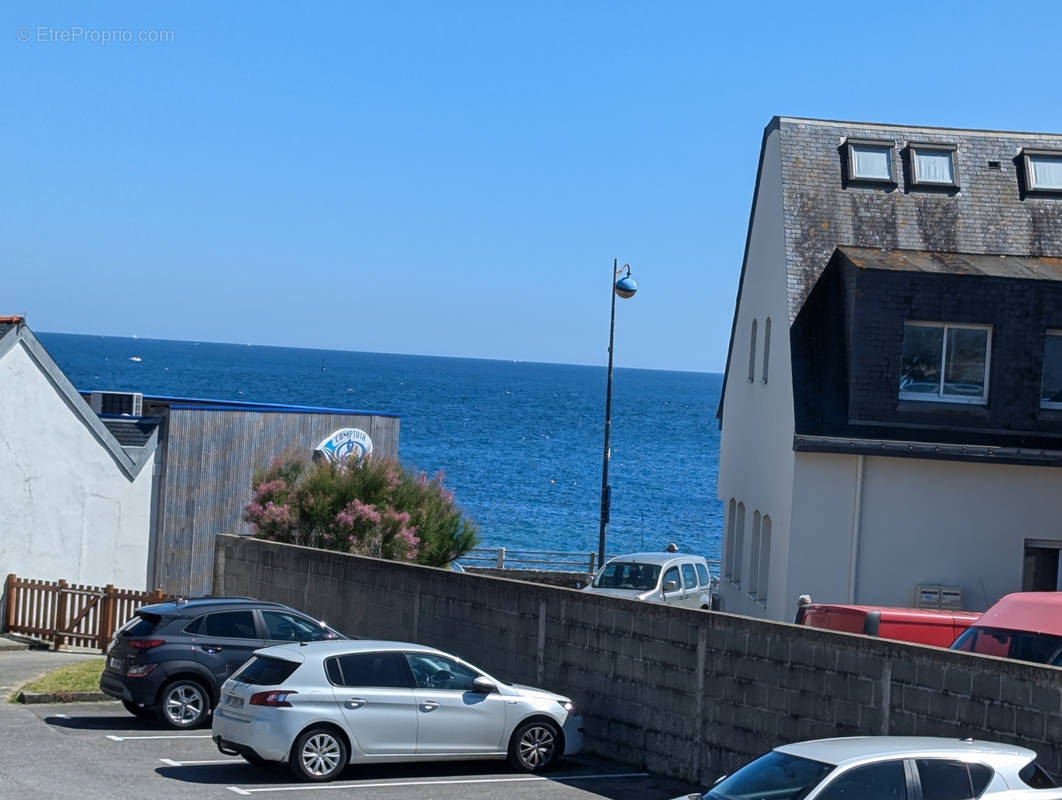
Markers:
(920, 625)
(1024, 625)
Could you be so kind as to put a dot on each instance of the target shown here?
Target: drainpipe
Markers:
(857, 506)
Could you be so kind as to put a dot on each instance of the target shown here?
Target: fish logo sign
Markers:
(345, 446)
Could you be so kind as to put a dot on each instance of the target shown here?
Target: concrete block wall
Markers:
(682, 692)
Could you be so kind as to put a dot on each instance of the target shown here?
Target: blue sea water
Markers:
(520, 444)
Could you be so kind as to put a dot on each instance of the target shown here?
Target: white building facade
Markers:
(76, 505)
(846, 471)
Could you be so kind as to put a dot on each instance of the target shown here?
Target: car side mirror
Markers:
(670, 586)
(483, 685)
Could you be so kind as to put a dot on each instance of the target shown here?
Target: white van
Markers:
(676, 579)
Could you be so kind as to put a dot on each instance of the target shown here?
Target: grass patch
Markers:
(83, 676)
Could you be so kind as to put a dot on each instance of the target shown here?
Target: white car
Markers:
(321, 705)
(677, 579)
(888, 768)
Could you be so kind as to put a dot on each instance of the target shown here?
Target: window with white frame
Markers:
(945, 362)
(765, 560)
(870, 160)
(1051, 379)
(1043, 170)
(933, 165)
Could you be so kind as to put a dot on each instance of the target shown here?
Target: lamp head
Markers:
(626, 287)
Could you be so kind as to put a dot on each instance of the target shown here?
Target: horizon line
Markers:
(135, 338)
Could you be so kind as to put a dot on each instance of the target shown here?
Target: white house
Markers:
(75, 503)
(892, 405)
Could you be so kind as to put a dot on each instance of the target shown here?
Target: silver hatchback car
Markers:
(889, 768)
(321, 705)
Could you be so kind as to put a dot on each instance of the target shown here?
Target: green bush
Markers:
(377, 508)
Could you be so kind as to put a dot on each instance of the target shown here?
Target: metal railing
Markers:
(503, 558)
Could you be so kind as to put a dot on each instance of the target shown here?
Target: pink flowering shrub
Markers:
(377, 509)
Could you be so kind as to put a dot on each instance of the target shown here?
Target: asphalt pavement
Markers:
(97, 751)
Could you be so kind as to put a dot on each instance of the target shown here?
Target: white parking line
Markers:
(173, 763)
(114, 738)
(450, 782)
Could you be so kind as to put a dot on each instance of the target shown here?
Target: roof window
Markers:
(933, 165)
(1043, 170)
(869, 161)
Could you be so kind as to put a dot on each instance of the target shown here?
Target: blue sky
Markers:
(445, 178)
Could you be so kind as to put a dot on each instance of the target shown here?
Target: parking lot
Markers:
(92, 751)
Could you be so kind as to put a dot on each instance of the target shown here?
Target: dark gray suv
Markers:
(169, 660)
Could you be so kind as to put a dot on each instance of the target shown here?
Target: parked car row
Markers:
(320, 700)
(286, 688)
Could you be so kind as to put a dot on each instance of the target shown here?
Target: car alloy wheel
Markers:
(185, 704)
(319, 754)
(534, 746)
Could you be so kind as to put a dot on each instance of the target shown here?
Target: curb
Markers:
(30, 698)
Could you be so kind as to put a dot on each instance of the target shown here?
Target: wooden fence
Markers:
(70, 614)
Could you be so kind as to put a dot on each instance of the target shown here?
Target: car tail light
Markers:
(276, 699)
(144, 644)
(139, 670)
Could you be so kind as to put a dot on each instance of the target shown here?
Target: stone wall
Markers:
(678, 691)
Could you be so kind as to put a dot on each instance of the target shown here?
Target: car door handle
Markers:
(429, 705)
(211, 648)
(354, 702)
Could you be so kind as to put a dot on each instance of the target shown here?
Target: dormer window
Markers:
(945, 362)
(1043, 170)
(870, 161)
(933, 165)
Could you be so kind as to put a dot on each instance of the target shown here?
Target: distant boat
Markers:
(135, 358)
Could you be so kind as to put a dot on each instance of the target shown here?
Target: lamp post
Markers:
(625, 287)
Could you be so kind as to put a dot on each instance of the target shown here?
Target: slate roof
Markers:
(5, 327)
(131, 431)
(988, 215)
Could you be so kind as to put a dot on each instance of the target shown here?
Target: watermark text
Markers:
(78, 34)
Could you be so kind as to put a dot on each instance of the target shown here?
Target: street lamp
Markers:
(625, 287)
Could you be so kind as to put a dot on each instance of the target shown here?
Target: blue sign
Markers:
(344, 446)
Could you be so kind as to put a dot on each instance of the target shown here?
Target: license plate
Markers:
(115, 664)
(232, 701)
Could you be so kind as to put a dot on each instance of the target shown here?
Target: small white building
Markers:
(75, 504)
(891, 414)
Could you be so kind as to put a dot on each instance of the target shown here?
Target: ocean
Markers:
(520, 444)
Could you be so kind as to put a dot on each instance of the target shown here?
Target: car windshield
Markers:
(776, 775)
(627, 575)
(1043, 648)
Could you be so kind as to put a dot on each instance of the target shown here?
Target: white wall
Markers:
(921, 521)
(66, 508)
(756, 441)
